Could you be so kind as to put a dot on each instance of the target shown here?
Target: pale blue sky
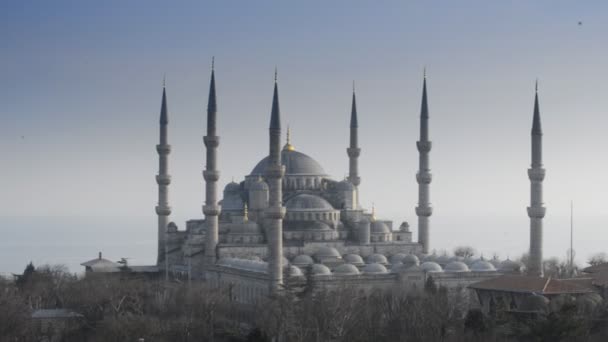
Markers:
(82, 85)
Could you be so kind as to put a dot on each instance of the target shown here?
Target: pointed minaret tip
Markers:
(212, 63)
(536, 125)
(276, 73)
(353, 112)
(164, 116)
(275, 115)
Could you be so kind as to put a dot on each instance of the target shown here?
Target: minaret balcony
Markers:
(211, 175)
(424, 146)
(353, 152)
(536, 212)
(163, 179)
(536, 174)
(163, 210)
(424, 177)
(211, 141)
(424, 211)
(163, 149)
(212, 210)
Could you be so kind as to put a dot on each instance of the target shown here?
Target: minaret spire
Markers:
(211, 209)
(536, 210)
(275, 211)
(163, 179)
(424, 209)
(353, 151)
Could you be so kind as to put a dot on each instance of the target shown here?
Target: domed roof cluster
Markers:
(302, 260)
(482, 266)
(379, 227)
(456, 266)
(374, 268)
(377, 259)
(430, 266)
(307, 202)
(296, 163)
(346, 269)
(354, 259)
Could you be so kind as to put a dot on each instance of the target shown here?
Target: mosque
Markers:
(289, 222)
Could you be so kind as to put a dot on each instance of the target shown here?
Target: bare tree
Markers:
(597, 259)
(465, 251)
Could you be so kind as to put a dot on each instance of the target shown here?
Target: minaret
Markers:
(353, 150)
(275, 211)
(424, 209)
(163, 179)
(211, 209)
(536, 210)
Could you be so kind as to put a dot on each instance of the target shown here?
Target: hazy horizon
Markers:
(82, 88)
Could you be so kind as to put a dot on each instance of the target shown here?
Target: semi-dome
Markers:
(320, 269)
(430, 266)
(377, 259)
(396, 258)
(354, 259)
(258, 185)
(296, 163)
(307, 202)
(456, 266)
(346, 269)
(482, 266)
(302, 260)
(379, 227)
(374, 268)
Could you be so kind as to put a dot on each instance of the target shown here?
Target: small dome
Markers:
(377, 259)
(430, 266)
(320, 270)
(410, 260)
(443, 259)
(456, 266)
(456, 258)
(346, 269)
(534, 303)
(294, 271)
(496, 262)
(345, 186)
(302, 260)
(428, 257)
(258, 185)
(232, 187)
(482, 266)
(326, 252)
(354, 259)
(379, 227)
(374, 269)
(307, 202)
(508, 266)
(397, 258)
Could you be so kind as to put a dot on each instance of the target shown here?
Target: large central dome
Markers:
(295, 163)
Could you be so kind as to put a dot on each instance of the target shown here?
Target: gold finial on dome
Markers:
(245, 213)
(288, 146)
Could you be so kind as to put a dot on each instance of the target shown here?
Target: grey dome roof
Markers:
(374, 268)
(320, 269)
(395, 258)
(457, 258)
(307, 201)
(295, 163)
(411, 260)
(345, 186)
(397, 266)
(346, 269)
(510, 266)
(294, 271)
(327, 252)
(302, 260)
(232, 187)
(456, 266)
(379, 227)
(428, 257)
(354, 259)
(430, 266)
(443, 259)
(482, 266)
(258, 185)
(377, 259)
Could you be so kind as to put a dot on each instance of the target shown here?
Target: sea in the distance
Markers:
(72, 240)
